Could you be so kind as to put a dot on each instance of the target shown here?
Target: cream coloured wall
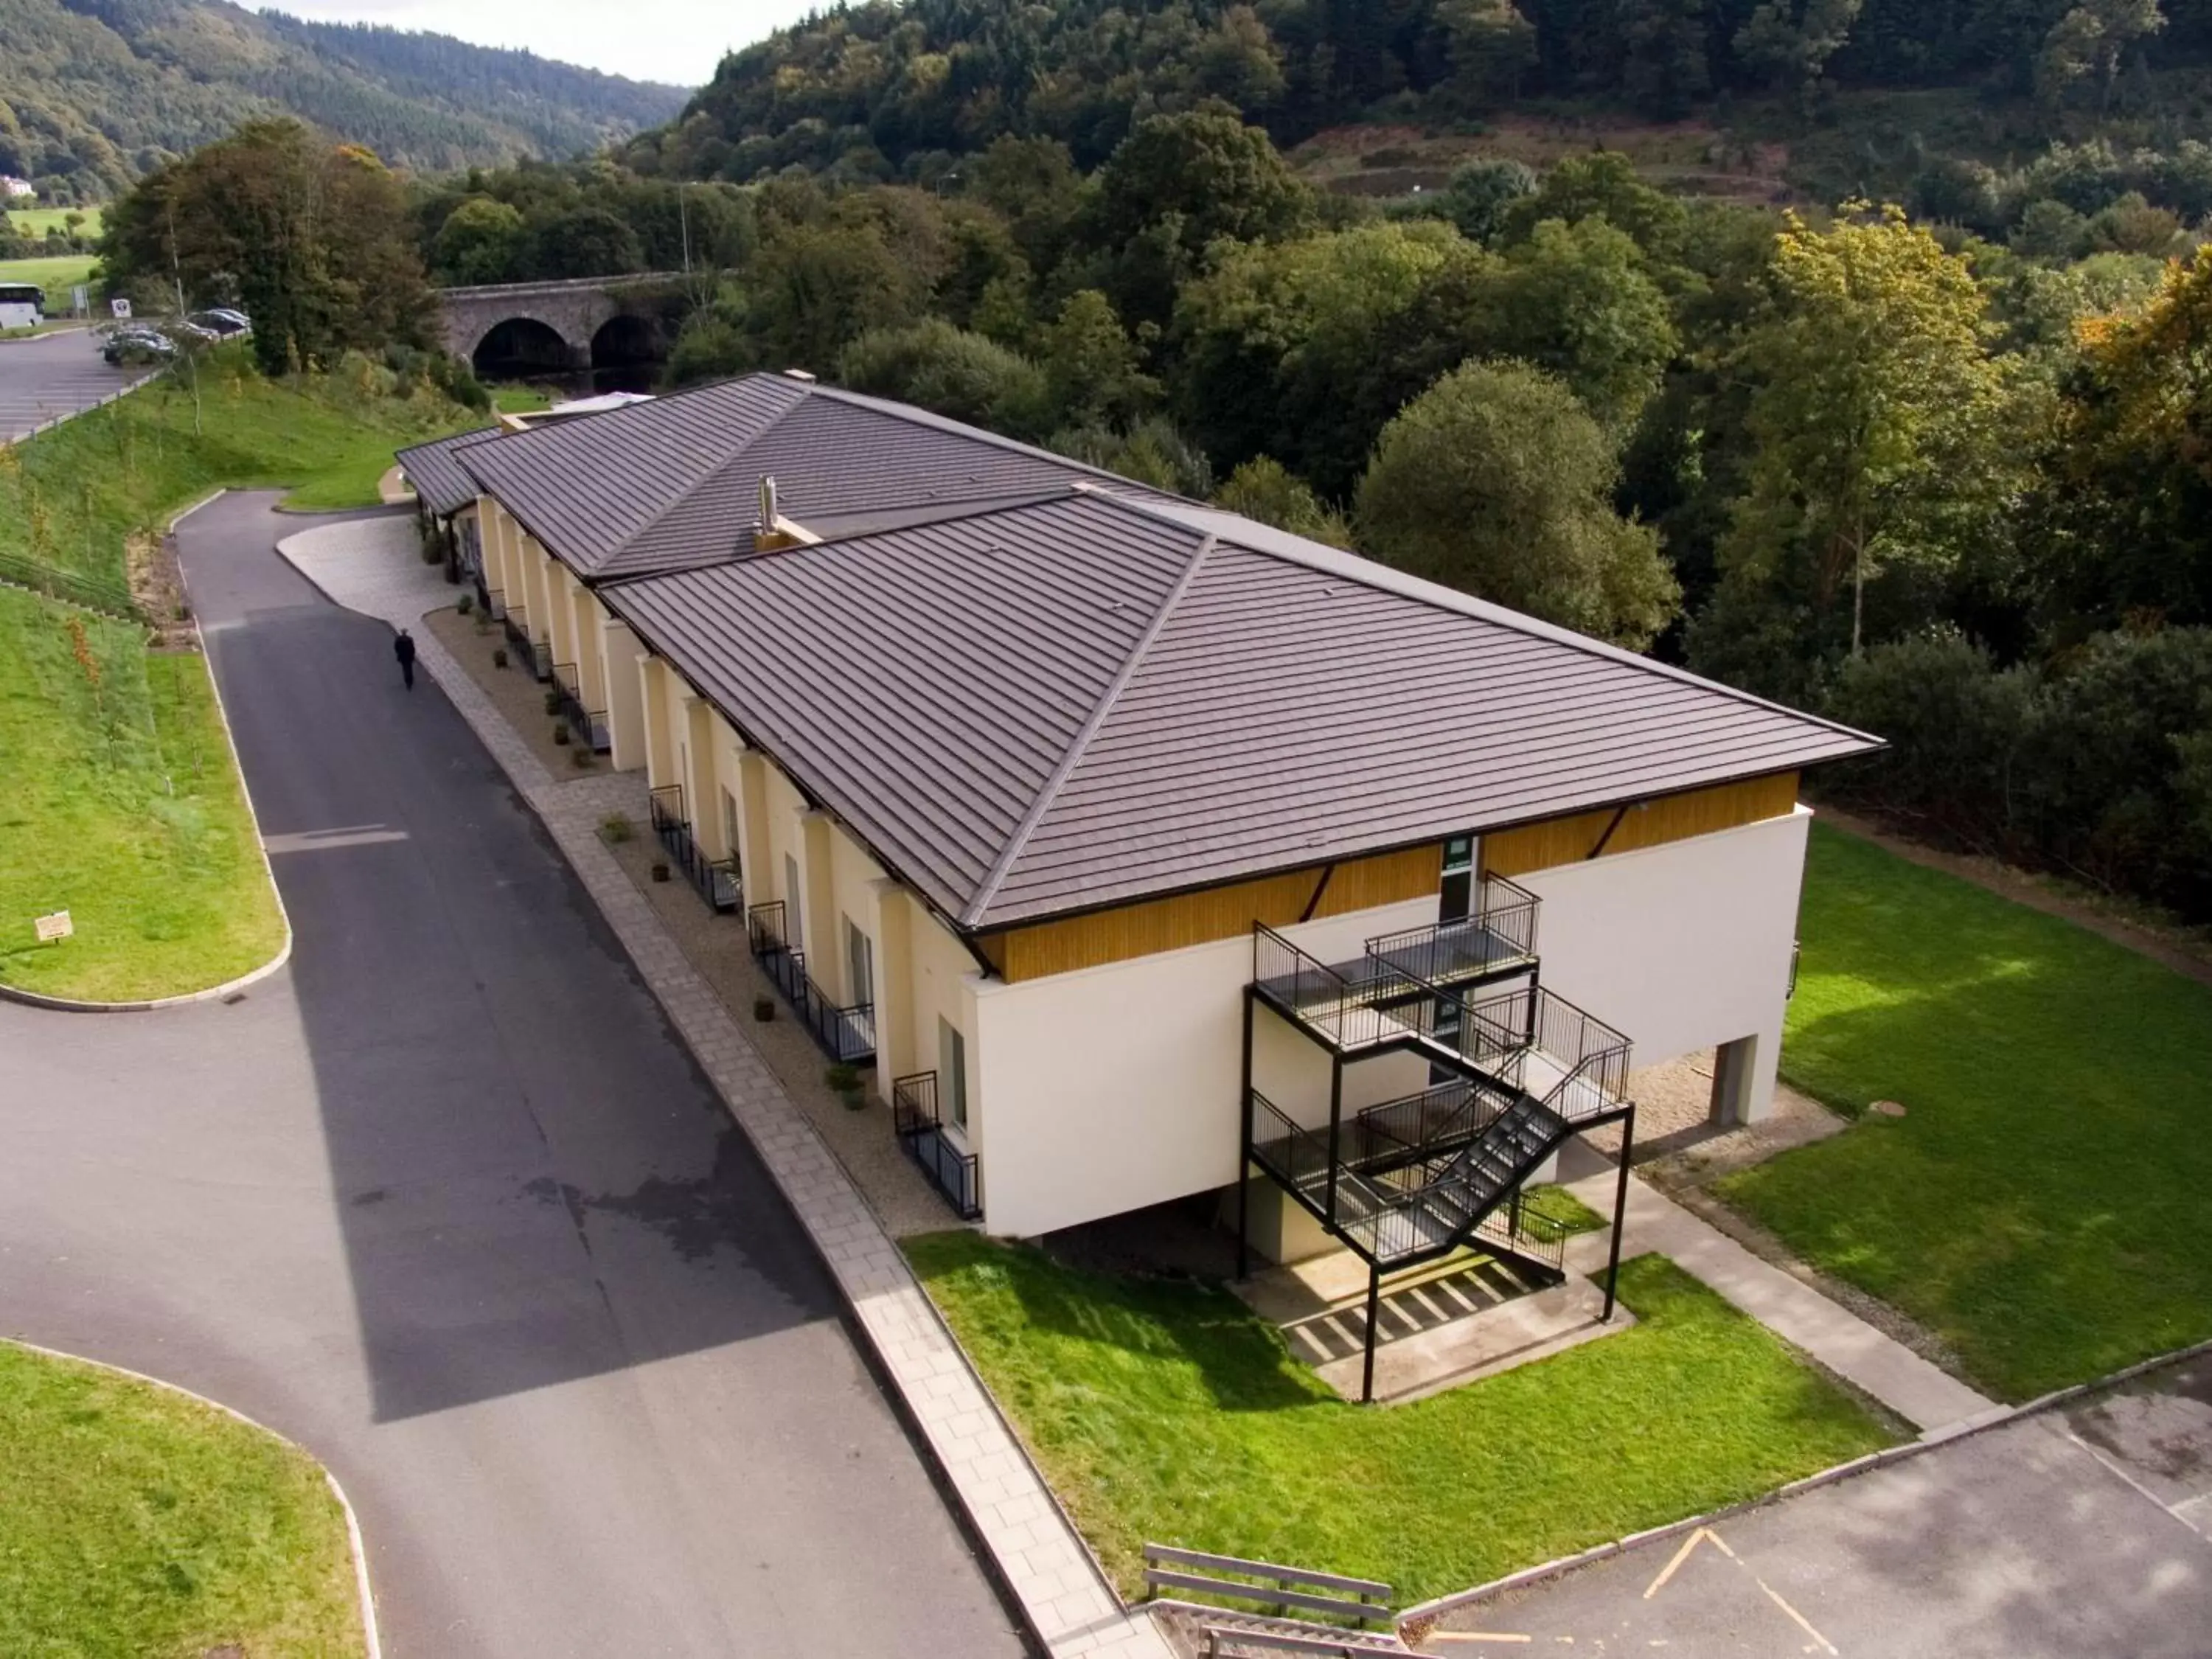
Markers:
(1116, 1087)
(587, 619)
(1684, 945)
(618, 653)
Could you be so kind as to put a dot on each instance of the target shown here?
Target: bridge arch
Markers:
(518, 346)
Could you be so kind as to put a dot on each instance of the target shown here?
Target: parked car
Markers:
(138, 345)
(222, 322)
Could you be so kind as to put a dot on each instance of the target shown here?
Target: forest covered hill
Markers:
(1827, 97)
(94, 93)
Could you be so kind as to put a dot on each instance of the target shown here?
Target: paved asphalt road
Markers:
(2070, 1534)
(53, 374)
(445, 1202)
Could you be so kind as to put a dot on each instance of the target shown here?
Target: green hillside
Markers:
(93, 93)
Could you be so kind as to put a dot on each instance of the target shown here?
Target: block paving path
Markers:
(372, 566)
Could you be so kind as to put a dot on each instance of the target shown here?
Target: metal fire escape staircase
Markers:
(1415, 1179)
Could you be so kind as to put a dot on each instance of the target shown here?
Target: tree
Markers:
(1491, 46)
(1876, 420)
(586, 242)
(2092, 39)
(1497, 482)
(961, 375)
(1791, 44)
(1176, 186)
(1576, 300)
(817, 288)
(312, 239)
(1091, 369)
(1263, 489)
(479, 242)
(1665, 71)
(1603, 185)
(1480, 192)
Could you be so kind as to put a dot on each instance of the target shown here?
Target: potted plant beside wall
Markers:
(763, 1009)
(499, 656)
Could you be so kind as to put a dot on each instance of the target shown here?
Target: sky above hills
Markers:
(677, 41)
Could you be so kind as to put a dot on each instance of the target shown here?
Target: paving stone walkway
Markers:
(371, 566)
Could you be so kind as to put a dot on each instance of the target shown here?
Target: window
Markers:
(1459, 879)
(861, 962)
(797, 933)
(952, 1074)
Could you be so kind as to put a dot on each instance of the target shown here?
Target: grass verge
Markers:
(1167, 1411)
(2039, 1206)
(142, 1524)
(124, 810)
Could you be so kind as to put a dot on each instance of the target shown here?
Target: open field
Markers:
(2039, 1206)
(38, 222)
(55, 276)
(141, 1524)
(1166, 1410)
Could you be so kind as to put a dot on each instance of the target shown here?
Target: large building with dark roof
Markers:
(1132, 844)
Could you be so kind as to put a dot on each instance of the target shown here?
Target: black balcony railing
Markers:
(587, 725)
(921, 1131)
(716, 879)
(1498, 939)
(846, 1034)
(1541, 1045)
(526, 650)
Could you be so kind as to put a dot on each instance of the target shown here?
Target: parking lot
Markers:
(53, 375)
(2081, 1531)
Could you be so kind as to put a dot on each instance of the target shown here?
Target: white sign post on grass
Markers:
(55, 928)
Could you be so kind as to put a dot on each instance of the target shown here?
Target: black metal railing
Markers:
(587, 725)
(1542, 1045)
(1297, 1156)
(1520, 1229)
(1499, 938)
(517, 636)
(716, 879)
(846, 1034)
(1429, 1125)
(1351, 1007)
(954, 1173)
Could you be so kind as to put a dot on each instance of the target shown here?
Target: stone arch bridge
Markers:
(581, 324)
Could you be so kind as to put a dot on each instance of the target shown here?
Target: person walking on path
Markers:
(404, 648)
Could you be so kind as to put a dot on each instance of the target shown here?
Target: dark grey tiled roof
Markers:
(1062, 705)
(674, 484)
(436, 471)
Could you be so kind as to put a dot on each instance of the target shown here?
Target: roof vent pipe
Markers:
(768, 512)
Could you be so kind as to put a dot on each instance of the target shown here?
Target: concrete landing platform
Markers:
(1448, 1323)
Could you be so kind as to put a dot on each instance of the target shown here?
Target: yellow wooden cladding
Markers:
(1215, 912)
(1648, 823)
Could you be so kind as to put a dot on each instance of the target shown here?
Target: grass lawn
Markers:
(1167, 1412)
(139, 1524)
(56, 276)
(124, 810)
(520, 399)
(2041, 1204)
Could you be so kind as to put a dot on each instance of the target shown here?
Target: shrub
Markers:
(499, 656)
(616, 828)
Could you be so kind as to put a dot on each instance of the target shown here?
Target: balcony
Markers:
(954, 1173)
(716, 879)
(588, 726)
(1497, 940)
(847, 1035)
(526, 651)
